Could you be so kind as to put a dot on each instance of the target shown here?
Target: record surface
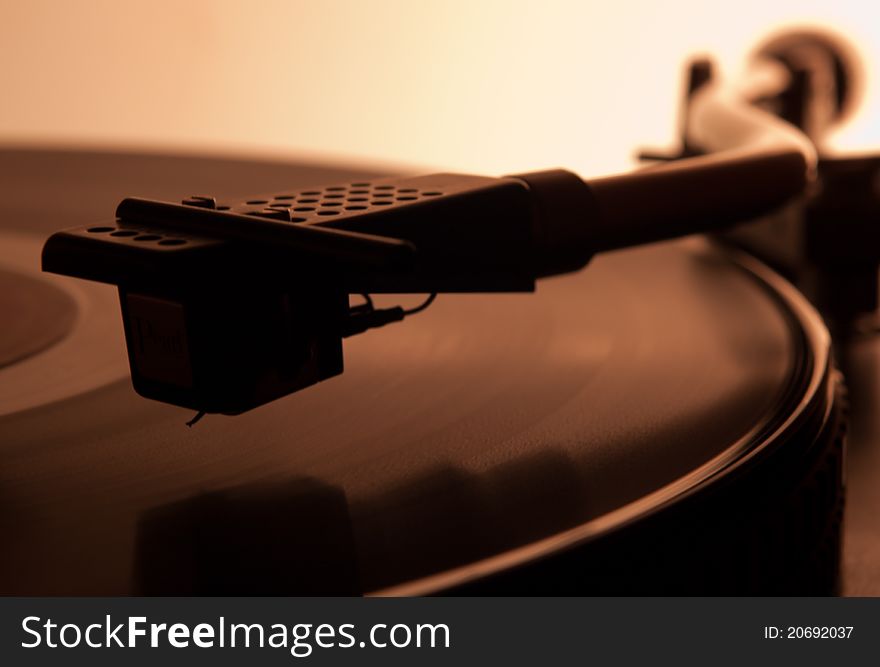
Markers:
(486, 423)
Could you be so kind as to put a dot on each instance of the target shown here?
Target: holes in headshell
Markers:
(360, 191)
(358, 196)
(135, 235)
(352, 199)
(330, 201)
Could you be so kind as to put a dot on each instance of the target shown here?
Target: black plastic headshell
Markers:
(439, 233)
(228, 305)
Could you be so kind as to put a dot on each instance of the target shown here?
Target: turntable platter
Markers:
(482, 425)
(36, 315)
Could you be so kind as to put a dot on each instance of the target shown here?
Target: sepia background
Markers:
(487, 86)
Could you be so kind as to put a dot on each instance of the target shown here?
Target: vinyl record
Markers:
(665, 420)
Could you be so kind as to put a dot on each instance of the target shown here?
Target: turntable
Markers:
(668, 420)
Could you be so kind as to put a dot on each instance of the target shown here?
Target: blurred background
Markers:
(486, 86)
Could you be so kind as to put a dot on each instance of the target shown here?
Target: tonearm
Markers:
(230, 304)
